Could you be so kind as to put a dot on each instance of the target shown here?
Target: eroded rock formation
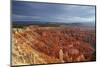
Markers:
(43, 45)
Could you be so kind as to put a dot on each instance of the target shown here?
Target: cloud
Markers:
(31, 11)
(74, 19)
(81, 19)
(23, 17)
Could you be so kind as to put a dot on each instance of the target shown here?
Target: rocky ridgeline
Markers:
(42, 45)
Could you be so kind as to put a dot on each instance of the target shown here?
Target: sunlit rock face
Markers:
(45, 45)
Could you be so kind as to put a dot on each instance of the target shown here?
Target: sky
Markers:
(46, 12)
